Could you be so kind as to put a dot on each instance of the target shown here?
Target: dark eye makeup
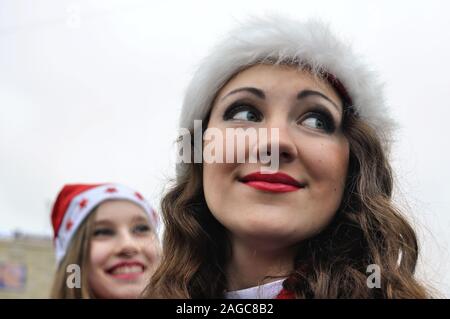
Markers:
(247, 111)
(323, 119)
(317, 116)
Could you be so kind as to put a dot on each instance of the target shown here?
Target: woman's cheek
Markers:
(219, 167)
(327, 166)
(221, 147)
(153, 255)
(100, 251)
(326, 160)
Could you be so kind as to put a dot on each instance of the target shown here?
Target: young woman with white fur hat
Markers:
(323, 225)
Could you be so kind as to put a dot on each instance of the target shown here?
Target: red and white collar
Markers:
(271, 290)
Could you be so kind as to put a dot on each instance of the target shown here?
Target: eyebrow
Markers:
(260, 94)
(305, 93)
(139, 219)
(103, 222)
(134, 219)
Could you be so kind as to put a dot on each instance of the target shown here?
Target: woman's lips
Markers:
(276, 183)
(127, 270)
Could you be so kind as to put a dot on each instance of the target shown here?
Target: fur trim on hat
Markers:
(276, 39)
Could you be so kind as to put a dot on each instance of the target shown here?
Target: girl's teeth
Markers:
(127, 270)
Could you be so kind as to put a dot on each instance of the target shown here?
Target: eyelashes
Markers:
(242, 111)
(103, 232)
(321, 117)
(317, 116)
(143, 228)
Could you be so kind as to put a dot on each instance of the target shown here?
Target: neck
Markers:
(251, 264)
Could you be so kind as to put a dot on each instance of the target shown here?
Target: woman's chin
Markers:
(130, 292)
(269, 234)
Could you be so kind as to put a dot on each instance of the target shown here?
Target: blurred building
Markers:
(27, 266)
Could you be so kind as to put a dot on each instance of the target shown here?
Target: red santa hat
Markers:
(76, 201)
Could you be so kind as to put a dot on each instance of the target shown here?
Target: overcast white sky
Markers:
(91, 91)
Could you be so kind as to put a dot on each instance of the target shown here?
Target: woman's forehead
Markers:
(119, 210)
(276, 78)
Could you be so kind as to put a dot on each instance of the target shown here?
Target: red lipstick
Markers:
(275, 183)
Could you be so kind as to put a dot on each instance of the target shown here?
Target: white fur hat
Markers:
(275, 39)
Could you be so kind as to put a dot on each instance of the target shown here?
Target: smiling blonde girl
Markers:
(106, 234)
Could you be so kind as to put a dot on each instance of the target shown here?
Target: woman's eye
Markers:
(141, 228)
(319, 122)
(314, 122)
(242, 113)
(246, 116)
(103, 232)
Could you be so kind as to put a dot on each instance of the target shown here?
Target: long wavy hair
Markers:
(77, 254)
(367, 229)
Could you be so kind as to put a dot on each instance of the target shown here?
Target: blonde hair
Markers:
(77, 253)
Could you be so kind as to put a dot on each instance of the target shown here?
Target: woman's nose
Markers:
(278, 142)
(127, 245)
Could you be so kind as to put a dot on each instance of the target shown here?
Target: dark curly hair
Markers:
(367, 229)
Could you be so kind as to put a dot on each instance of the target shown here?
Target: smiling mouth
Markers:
(274, 183)
(127, 271)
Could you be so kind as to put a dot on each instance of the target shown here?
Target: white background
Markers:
(91, 92)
